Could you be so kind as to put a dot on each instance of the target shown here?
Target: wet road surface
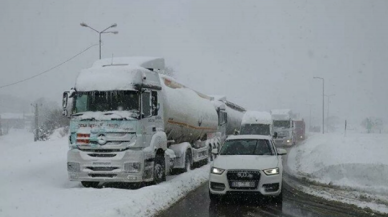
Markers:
(295, 203)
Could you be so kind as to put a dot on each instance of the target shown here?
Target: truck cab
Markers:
(257, 123)
(283, 126)
(130, 123)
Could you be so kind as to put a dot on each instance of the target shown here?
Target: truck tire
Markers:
(90, 184)
(188, 164)
(159, 169)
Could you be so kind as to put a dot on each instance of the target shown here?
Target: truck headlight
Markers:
(288, 140)
(133, 167)
(273, 171)
(217, 171)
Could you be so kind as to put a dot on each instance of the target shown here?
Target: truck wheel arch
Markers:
(159, 141)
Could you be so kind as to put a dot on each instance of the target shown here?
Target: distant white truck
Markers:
(257, 123)
(129, 123)
(283, 126)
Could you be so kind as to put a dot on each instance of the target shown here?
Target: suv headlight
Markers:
(273, 171)
(133, 167)
(216, 170)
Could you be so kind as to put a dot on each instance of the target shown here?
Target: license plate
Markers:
(243, 184)
(101, 163)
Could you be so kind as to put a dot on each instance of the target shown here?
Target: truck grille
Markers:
(102, 175)
(102, 155)
(102, 168)
(243, 176)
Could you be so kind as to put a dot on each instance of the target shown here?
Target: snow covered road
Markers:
(34, 182)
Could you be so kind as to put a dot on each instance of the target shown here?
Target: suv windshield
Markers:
(247, 147)
(106, 101)
(255, 129)
(283, 124)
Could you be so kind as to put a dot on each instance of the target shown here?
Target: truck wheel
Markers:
(90, 184)
(188, 164)
(159, 169)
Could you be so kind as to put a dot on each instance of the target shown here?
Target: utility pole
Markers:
(1, 131)
(36, 123)
(328, 105)
(323, 103)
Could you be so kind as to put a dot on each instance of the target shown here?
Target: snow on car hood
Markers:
(252, 162)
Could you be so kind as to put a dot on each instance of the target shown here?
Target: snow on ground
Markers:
(357, 163)
(34, 182)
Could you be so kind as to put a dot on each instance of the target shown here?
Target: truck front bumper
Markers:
(108, 166)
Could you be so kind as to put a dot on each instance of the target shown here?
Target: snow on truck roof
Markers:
(145, 62)
(251, 117)
(228, 103)
(281, 114)
(281, 111)
(117, 73)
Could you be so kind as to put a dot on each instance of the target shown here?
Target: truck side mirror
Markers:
(65, 103)
(65, 99)
(275, 135)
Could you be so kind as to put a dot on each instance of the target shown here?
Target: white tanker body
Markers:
(234, 113)
(111, 142)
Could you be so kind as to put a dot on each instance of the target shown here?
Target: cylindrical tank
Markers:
(188, 114)
(234, 120)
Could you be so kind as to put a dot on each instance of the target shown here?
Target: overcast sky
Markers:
(260, 54)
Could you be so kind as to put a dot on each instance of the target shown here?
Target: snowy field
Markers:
(356, 163)
(33, 182)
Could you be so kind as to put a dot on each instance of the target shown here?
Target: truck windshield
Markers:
(255, 129)
(283, 124)
(246, 147)
(106, 101)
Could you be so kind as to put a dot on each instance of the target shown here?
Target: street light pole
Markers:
(328, 103)
(323, 103)
(101, 32)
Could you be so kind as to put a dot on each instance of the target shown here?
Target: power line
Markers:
(48, 70)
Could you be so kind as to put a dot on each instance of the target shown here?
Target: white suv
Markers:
(247, 164)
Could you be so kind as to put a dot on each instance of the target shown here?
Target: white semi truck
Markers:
(283, 126)
(129, 123)
(257, 123)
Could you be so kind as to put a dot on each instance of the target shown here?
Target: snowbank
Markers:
(356, 162)
(34, 182)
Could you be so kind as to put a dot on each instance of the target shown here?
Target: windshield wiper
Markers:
(118, 119)
(88, 119)
(121, 118)
(76, 114)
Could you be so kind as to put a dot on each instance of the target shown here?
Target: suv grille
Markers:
(243, 176)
